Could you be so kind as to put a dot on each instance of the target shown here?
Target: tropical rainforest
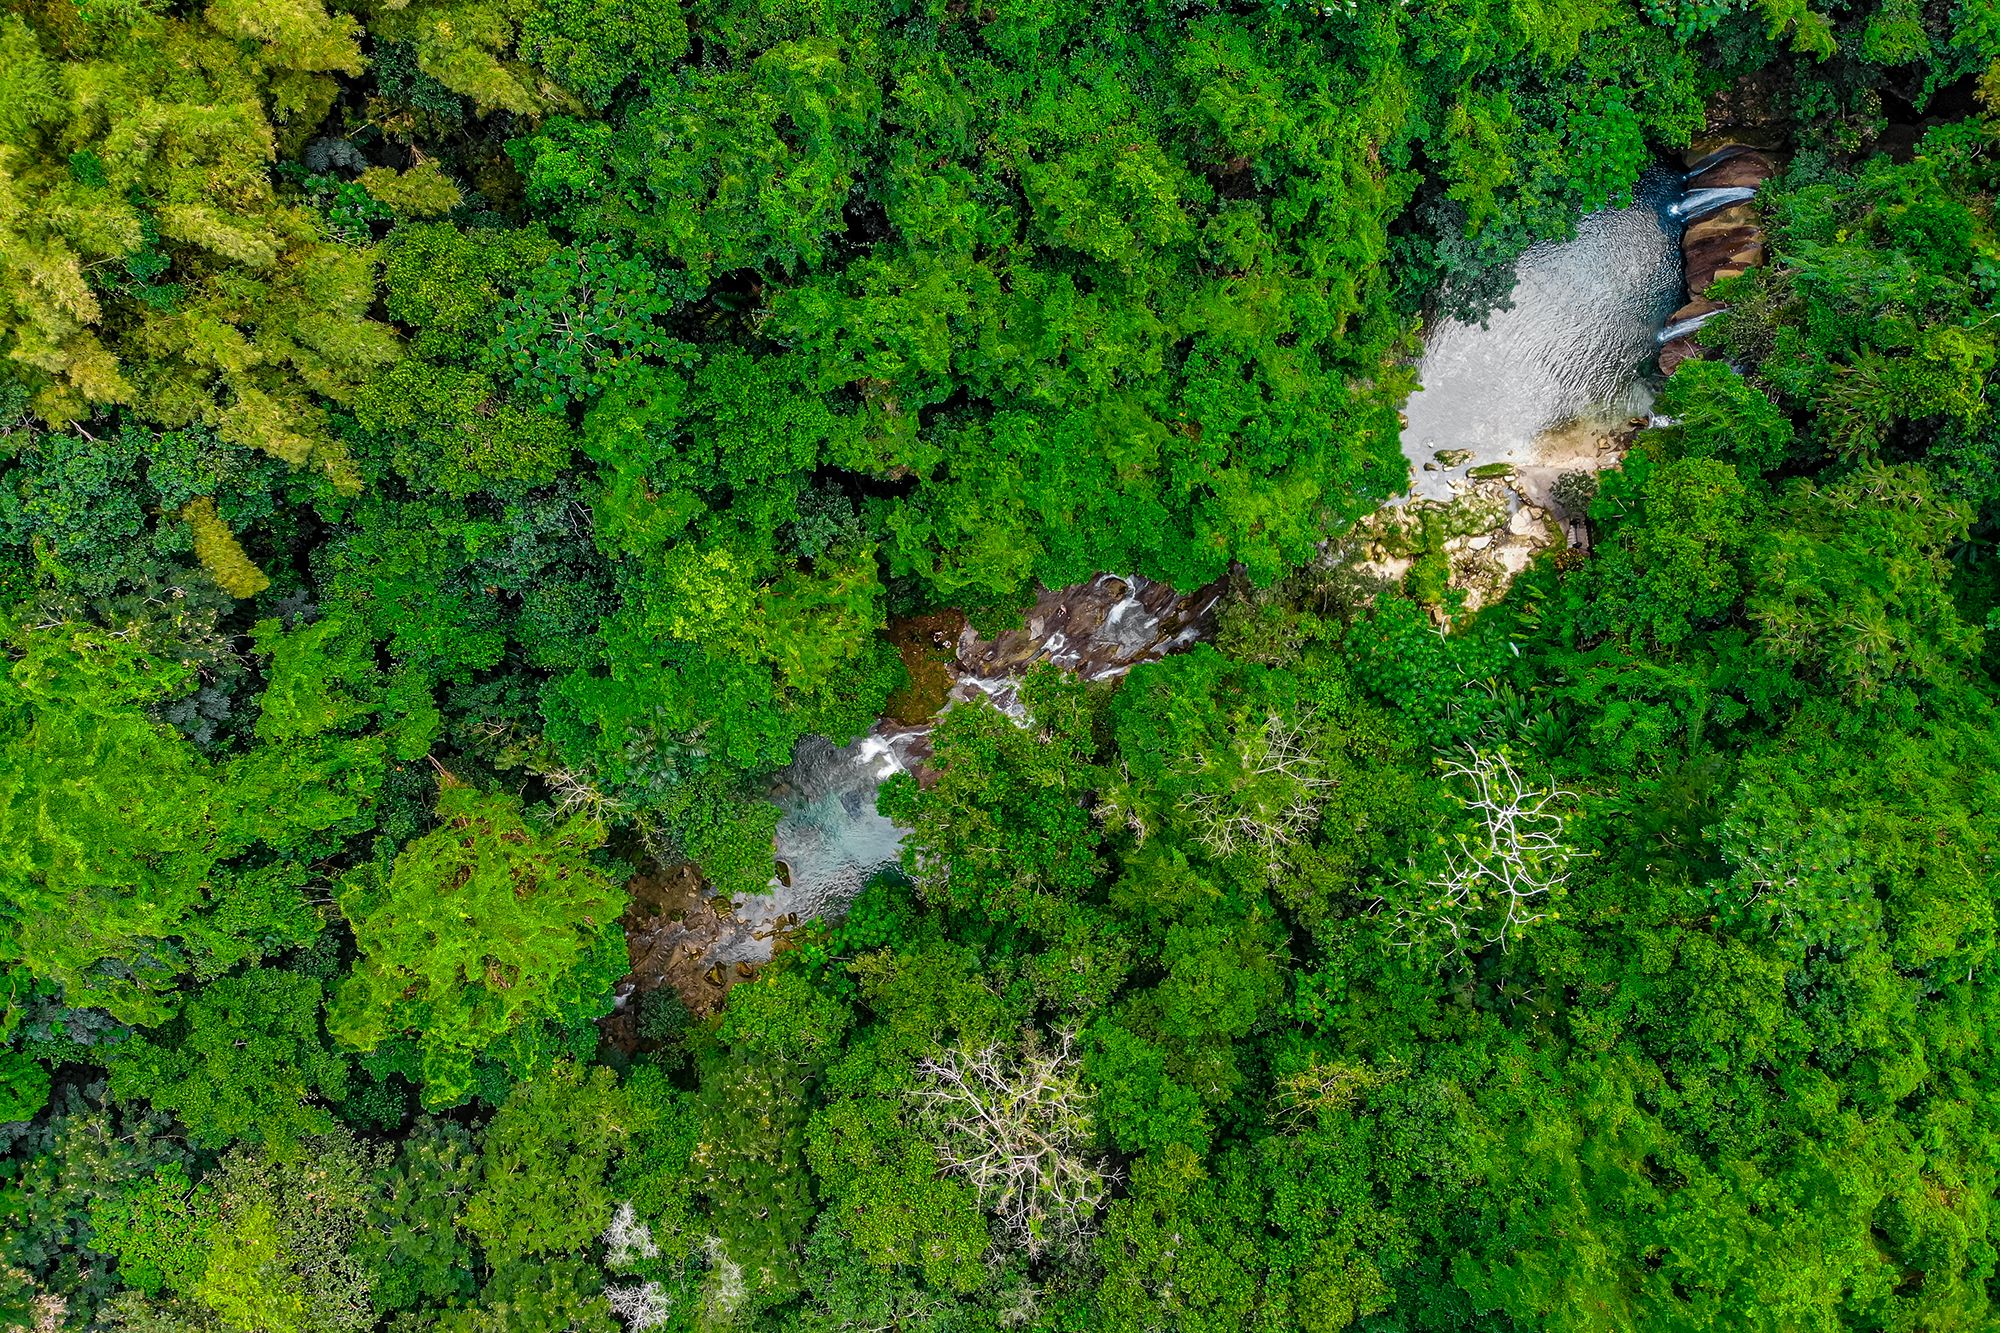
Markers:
(452, 451)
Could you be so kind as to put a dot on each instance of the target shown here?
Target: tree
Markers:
(1852, 586)
(220, 553)
(414, 1242)
(1719, 414)
(485, 925)
(543, 1165)
(1495, 883)
(269, 1246)
(114, 825)
(264, 319)
(1017, 1126)
(1679, 562)
(241, 1063)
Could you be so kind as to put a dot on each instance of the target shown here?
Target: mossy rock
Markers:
(1491, 471)
(1453, 457)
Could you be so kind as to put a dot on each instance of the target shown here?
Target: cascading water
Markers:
(830, 840)
(1698, 204)
(1581, 326)
(1571, 347)
(1681, 328)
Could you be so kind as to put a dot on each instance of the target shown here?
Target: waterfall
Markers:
(1716, 159)
(1681, 328)
(1700, 203)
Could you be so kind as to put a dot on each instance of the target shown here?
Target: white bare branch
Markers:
(1506, 874)
(642, 1306)
(1017, 1126)
(628, 1240)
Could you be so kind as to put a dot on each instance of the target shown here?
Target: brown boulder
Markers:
(1677, 351)
(1701, 305)
(1743, 169)
(1722, 257)
(1736, 217)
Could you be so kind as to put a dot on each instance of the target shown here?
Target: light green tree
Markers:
(484, 926)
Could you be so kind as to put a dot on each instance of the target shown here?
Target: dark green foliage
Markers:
(261, 1242)
(413, 1243)
(1719, 414)
(244, 1062)
(78, 1165)
(541, 1181)
(1677, 560)
(453, 451)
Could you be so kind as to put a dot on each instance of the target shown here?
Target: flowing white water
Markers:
(1571, 347)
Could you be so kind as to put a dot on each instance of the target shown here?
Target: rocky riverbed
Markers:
(1545, 389)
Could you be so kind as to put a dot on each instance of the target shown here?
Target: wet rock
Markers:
(1725, 244)
(1721, 223)
(1527, 520)
(1694, 309)
(1677, 351)
(1745, 168)
(672, 923)
(1099, 630)
(927, 644)
(1725, 141)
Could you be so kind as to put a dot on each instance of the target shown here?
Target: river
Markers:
(1573, 345)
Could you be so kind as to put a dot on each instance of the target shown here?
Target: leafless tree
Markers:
(1016, 1124)
(1505, 875)
(1272, 800)
(642, 1306)
(628, 1240)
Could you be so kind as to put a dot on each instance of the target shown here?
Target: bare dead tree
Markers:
(1017, 1126)
(1273, 800)
(628, 1240)
(1505, 875)
(642, 1306)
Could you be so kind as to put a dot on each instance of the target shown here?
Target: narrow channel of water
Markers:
(1572, 347)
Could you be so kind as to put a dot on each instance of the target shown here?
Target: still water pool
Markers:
(1572, 346)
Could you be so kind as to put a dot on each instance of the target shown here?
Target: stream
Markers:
(1573, 346)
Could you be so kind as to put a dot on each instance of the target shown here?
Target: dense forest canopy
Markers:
(451, 451)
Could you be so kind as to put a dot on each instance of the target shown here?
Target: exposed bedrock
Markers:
(1719, 244)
